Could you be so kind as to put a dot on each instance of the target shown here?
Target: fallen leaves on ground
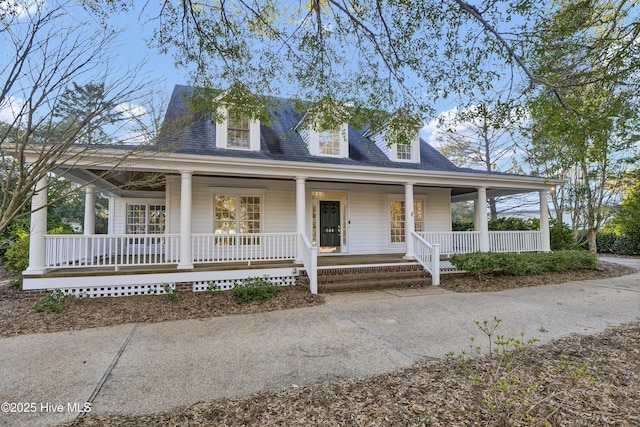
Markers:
(575, 381)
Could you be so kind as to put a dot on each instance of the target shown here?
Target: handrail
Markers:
(242, 247)
(109, 250)
(310, 261)
(428, 255)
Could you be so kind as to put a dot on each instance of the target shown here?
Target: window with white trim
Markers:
(331, 143)
(237, 131)
(397, 219)
(146, 219)
(403, 151)
(235, 213)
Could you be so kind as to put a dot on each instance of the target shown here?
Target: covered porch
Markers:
(183, 256)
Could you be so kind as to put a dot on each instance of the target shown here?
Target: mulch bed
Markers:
(17, 317)
(576, 381)
(499, 282)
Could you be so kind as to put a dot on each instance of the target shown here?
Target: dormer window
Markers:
(329, 142)
(403, 151)
(237, 132)
(324, 129)
(397, 152)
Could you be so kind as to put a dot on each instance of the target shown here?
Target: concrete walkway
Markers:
(135, 369)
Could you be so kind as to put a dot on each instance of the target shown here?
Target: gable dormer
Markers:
(237, 123)
(399, 139)
(237, 131)
(325, 129)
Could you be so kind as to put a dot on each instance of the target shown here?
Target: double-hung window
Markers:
(237, 131)
(237, 214)
(329, 142)
(145, 219)
(403, 151)
(397, 219)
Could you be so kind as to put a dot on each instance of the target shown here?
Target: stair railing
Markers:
(428, 255)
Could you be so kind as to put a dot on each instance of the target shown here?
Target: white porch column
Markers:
(300, 215)
(482, 222)
(89, 210)
(409, 220)
(38, 228)
(186, 253)
(544, 221)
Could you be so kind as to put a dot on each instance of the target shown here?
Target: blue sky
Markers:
(132, 49)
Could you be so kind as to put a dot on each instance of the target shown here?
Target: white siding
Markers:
(119, 214)
(367, 208)
(381, 143)
(278, 202)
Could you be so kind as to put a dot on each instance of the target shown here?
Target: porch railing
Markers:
(461, 242)
(515, 241)
(103, 250)
(453, 242)
(428, 255)
(310, 261)
(243, 247)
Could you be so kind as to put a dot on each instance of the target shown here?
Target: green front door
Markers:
(329, 223)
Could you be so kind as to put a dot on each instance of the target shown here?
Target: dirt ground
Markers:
(576, 381)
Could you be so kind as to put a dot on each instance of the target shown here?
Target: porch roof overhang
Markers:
(106, 169)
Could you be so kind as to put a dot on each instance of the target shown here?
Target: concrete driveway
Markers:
(47, 379)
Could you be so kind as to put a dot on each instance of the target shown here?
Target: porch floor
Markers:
(323, 261)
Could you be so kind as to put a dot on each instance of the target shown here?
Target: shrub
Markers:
(481, 263)
(17, 256)
(512, 223)
(170, 293)
(462, 225)
(560, 235)
(53, 302)
(254, 289)
(626, 246)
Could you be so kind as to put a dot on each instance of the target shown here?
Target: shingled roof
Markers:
(192, 133)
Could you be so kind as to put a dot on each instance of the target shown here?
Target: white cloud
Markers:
(20, 9)
(10, 108)
(131, 111)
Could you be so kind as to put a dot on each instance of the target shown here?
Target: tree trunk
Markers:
(593, 246)
(493, 208)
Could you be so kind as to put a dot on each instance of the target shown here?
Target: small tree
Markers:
(60, 97)
(627, 221)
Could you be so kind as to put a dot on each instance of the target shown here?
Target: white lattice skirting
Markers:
(118, 291)
(226, 284)
(149, 284)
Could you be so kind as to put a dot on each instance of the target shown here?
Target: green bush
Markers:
(462, 225)
(478, 262)
(560, 235)
(514, 264)
(613, 243)
(53, 302)
(17, 256)
(512, 223)
(254, 289)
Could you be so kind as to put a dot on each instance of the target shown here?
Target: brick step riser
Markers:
(364, 278)
(357, 286)
(348, 279)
